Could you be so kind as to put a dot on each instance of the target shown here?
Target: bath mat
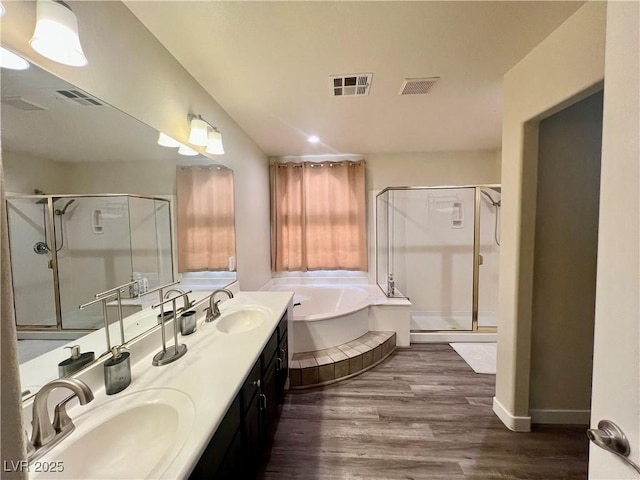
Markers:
(480, 356)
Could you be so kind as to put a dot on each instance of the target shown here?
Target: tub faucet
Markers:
(186, 304)
(45, 433)
(213, 311)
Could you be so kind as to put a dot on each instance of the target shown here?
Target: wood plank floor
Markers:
(421, 414)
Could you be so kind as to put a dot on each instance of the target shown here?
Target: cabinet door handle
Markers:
(278, 364)
(284, 355)
(263, 405)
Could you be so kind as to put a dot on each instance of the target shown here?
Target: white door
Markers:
(616, 363)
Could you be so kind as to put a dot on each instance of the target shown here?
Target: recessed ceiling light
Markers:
(313, 139)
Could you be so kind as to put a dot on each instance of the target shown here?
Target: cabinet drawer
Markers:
(251, 386)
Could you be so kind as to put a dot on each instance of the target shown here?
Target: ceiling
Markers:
(65, 131)
(268, 65)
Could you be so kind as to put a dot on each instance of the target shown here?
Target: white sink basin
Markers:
(242, 320)
(133, 436)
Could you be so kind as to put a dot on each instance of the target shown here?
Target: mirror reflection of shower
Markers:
(497, 206)
(43, 247)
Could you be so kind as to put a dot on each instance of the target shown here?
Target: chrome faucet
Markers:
(45, 433)
(186, 304)
(213, 311)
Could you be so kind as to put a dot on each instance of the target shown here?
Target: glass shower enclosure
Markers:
(439, 247)
(66, 248)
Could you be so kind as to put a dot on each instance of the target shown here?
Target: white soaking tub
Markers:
(325, 316)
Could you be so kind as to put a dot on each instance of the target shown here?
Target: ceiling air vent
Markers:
(417, 86)
(21, 104)
(79, 97)
(350, 85)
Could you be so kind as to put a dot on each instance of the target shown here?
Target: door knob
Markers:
(610, 437)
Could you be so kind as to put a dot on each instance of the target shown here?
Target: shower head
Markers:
(493, 202)
(64, 209)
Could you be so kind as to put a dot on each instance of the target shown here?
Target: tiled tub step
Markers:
(322, 367)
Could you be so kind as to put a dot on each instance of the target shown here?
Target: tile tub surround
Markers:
(211, 373)
(323, 367)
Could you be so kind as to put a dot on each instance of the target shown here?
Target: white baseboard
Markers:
(517, 424)
(560, 417)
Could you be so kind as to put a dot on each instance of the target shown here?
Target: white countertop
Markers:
(211, 374)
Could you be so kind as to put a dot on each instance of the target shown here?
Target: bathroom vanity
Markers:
(246, 429)
(209, 414)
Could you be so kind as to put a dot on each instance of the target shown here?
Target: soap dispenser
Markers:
(117, 371)
(75, 362)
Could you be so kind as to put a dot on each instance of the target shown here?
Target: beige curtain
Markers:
(320, 216)
(205, 219)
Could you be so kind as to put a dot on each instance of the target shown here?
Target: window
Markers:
(320, 216)
(205, 219)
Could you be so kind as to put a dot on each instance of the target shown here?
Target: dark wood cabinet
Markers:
(215, 454)
(246, 431)
(269, 400)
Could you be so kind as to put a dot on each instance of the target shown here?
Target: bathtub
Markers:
(326, 316)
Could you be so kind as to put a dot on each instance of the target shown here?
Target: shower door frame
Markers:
(476, 249)
(58, 327)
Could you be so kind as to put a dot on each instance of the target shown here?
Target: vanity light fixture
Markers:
(12, 61)
(166, 141)
(56, 34)
(199, 129)
(204, 134)
(215, 142)
(184, 150)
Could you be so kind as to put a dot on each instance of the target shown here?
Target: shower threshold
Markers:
(453, 336)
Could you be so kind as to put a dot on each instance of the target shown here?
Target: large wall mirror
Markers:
(90, 199)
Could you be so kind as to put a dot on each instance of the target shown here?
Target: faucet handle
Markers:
(61, 421)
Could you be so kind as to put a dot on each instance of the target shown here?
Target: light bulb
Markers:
(198, 134)
(56, 34)
(215, 143)
(12, 61)
(184, 150)
(167, 141)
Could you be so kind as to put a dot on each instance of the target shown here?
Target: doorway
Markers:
(565, 254)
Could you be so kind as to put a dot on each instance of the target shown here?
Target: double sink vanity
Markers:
(209, 414)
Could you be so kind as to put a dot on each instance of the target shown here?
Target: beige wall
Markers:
(432, 169)
(567, 66)
(129, 69)
(564, 279)
(616, 353)
(23, 174)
